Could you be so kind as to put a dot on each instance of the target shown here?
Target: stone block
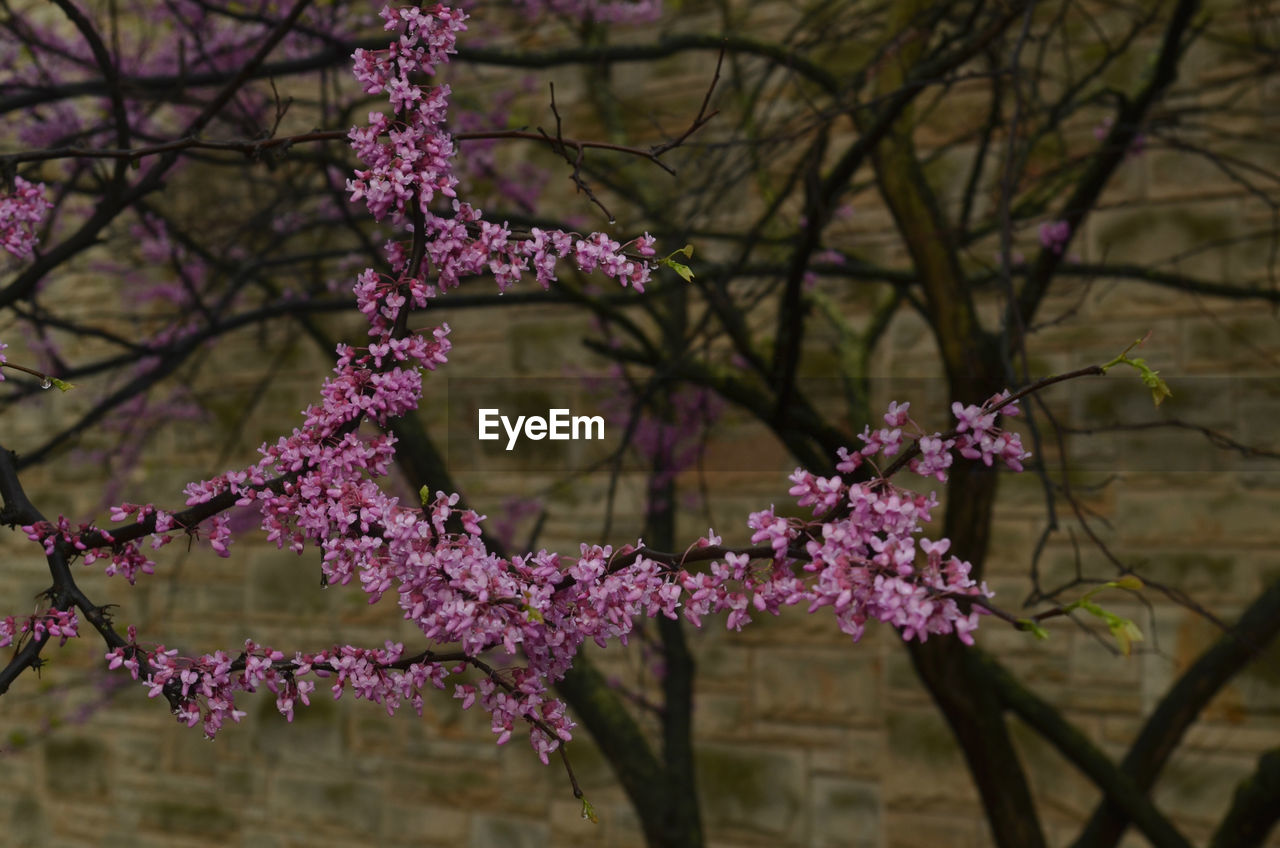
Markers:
(857, 753)
(1197, 787)
(921, 748)
(282, 583)
(315, 731)
(25, 822)
(818, 686)
(508, 831)
(77, 766)
(1237, 343)
(621, 825)
(455, 783)
(1183, 175)
(240, 781)
(845, 813)
(914, 829)
(1148, 235)
(185, 816)
(187, 752)
(723, 663)
(719, 715)
(753, 790)
(902, 684)
(338, 801)
(413, 819)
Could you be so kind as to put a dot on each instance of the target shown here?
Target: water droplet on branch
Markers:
(46, 384)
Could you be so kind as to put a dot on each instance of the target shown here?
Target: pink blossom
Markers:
(21, 212)
(863, 553)
(1054, 235)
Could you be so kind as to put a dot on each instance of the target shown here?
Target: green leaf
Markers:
(1159, 388)
(1150, 377)
(62, 385)
(1033, 628)
(1125, 632)
(681, 269)
(424, 494)
(589, 812)
(532, 612)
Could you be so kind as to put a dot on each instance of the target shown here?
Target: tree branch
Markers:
(1112, 152)
(1080, 751)
(1181, 706)
(1255, 807)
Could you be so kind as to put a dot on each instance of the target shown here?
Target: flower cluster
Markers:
(409, 157)
(61, 623)
(20, 212)
(1054, 235)
(863, 554)
(412, 164)
(205, 687)
(976, 436)
(125, 557)
(980, 438)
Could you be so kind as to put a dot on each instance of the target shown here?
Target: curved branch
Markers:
(1255, 807)
(64, 593)
(1167, 279)
(110, 76)
(1182, 705)
(340, 53)
(113, 204)
(254, 149)
(1113, 152)
(1080, 751)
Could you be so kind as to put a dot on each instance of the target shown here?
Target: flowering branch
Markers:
(863, 553)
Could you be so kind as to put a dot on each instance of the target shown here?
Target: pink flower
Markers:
(20, 213)
(1054, 235)
(863, 553)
